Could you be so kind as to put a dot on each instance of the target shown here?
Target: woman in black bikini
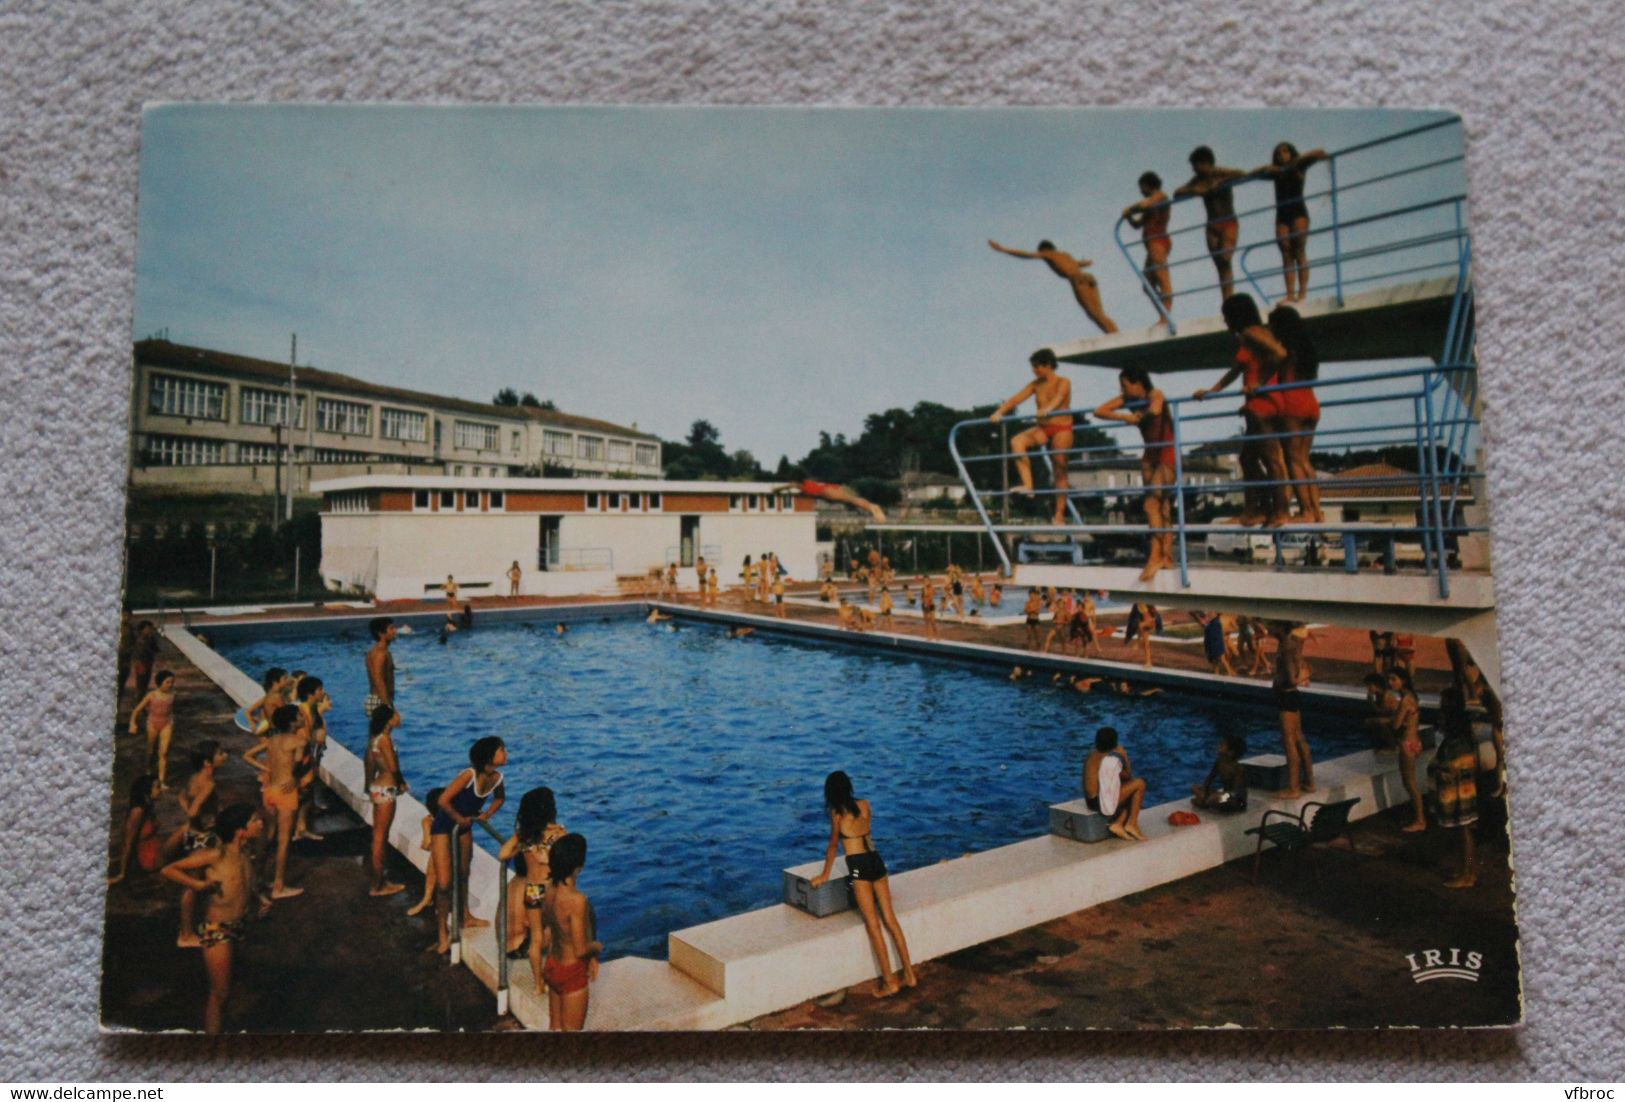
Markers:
(866, 872)
(1286, 168)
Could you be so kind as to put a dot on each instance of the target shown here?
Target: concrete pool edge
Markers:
(776, 959)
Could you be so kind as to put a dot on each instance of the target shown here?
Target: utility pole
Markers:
(293, 399)
(276, 472)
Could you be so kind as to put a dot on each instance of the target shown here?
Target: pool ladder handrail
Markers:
(499, 922)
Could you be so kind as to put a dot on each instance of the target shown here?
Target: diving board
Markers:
(1405, 320)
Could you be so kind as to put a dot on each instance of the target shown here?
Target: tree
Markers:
(506, 397)
(703, 434)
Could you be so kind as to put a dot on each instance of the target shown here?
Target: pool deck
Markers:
(1216, 950)
(745, 967)
(370, 972)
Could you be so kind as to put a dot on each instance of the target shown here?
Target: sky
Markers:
(775, 271)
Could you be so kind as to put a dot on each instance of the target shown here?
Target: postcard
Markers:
(700, 568)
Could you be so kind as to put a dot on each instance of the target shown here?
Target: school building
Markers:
(399, 536)
(214, 422)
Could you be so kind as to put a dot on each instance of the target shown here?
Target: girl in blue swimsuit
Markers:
(460, 804)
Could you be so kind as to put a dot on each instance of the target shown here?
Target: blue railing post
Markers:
(1430, 503)
(1337, 237)
(1351, 553)
(1179, 498)
(976, 498)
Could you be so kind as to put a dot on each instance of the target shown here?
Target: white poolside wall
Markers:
(400, 556)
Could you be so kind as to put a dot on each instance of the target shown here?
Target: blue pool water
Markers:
(694, 763)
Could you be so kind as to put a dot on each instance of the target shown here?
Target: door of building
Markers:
(690, 540)
(547, 551)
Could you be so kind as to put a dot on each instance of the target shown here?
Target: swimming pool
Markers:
(694, 763)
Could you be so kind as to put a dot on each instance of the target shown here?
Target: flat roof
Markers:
(556, 485)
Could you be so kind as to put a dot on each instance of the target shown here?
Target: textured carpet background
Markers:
(1539, 87)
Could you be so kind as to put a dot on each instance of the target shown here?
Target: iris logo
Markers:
(1445, 964)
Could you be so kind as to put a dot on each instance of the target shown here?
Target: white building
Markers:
(398, 536)
(207, 421)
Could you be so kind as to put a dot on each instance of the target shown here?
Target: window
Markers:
(269, 407)
(557, 443)
(420, 499)
(734, 503)
(620, 451)
(750, 503)
(260, 453)
(785, 504)
(350, 501)
(648, 455)
(348, 418)
(592, 501)
(615, 502)
(471, 500)
(177, 397)
(337, 455)
(516, 435)
(403, 424)
(457, 470)
(183, 451)
(472, 434)
(496, 499)
(654, 503)
(448, 499)
(591, 447)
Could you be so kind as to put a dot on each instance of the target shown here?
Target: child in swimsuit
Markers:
(567, 927)
(385, 785)
(159, 705)
(1259, 358)
(460, 804)
(224, 878)
(1402, 724)
(140, 829)
(535, 831)
(431, 800)
(849, 820)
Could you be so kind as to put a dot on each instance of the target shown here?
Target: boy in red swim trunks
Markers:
(1071, 269)
(1215, 186)
(841, 495)
(1052, 393)
(1150, 414)
(567, 935)
(1150, 217)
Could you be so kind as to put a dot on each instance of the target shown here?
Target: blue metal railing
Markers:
(1338, 228)
(1440, 422)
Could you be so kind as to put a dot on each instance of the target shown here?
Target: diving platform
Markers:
(1368, 600)
(1398, 321)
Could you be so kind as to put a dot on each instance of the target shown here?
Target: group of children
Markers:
(212, 854)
